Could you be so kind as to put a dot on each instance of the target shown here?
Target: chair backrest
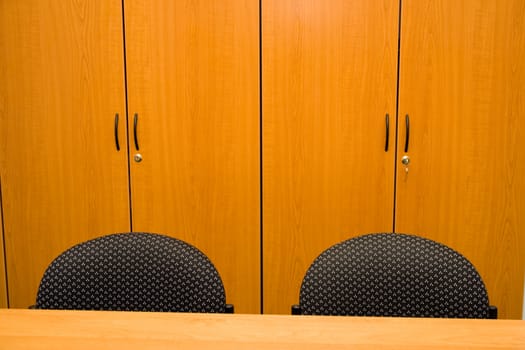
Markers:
(133, 272)
(387, 274)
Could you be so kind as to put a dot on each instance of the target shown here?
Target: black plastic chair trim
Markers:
(493, 312)
(229, 309)
(296, 310)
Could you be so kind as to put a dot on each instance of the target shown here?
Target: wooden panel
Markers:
(61, 68)
(193, 79)
(462, 82)
(86, 330)
(329, 78)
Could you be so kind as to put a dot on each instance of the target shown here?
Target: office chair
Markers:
(390, 274)
(133, 272)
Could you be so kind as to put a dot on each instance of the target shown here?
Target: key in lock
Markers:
(405, 160)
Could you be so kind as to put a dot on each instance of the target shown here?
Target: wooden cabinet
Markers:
(193, 80)
(338, 80)
(63, 181)
(462, 83)
(329, 78)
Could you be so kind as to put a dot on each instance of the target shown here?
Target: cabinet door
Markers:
(462, 84)
(329, 79)
(193, 81)
(63, 181)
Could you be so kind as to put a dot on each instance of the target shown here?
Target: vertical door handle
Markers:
(407, 134)
(387, 125)
(116, 132)
(135, 125)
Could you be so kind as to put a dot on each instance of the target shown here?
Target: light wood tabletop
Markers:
(53, 329)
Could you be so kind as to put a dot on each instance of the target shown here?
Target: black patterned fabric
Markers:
(389, 274)
(133, 272)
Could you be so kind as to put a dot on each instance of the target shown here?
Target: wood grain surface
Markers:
(329, 79)
(40, 329)
(193, 80)
(462, 83)
(63, 181)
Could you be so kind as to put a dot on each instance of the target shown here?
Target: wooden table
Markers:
(49, 329)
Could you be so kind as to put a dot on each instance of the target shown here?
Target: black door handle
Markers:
(135, 125)
(387, 125)
(116, 132)
(407, 135)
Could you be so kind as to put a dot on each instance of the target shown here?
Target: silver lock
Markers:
(138, 157)
(405, 160)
